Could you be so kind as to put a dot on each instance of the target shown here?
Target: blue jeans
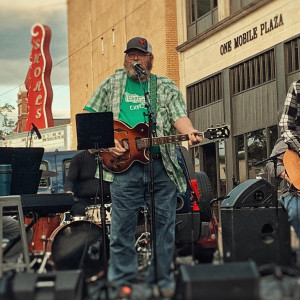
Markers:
(291, 203)
(129, 192)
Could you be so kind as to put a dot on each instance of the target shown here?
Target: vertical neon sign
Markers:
(38, 84)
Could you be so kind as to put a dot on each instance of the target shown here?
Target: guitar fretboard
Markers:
(144, 143)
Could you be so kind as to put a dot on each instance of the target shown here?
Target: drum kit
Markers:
(63, 242)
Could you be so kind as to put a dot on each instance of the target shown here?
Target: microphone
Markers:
(34, 128)
(139, 69)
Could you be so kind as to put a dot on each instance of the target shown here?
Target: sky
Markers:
(16, 21)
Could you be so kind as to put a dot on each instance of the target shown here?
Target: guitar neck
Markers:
(145, 142)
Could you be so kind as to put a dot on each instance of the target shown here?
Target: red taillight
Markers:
(195, 188)
(208, 243)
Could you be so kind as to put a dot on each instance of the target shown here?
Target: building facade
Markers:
(237, 60)
(56, 138)
(232, 59)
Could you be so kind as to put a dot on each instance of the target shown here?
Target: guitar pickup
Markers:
(140, 144)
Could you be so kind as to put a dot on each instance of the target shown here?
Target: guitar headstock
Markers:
(219, 132)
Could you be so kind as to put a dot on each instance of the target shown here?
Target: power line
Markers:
(69, 56)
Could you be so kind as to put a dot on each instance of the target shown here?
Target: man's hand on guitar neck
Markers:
(185, 126)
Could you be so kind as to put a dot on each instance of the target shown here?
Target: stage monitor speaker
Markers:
(184, 204)
(184, 225)
(235, 280)
(59, 285)
(251, 193)
(260, 234)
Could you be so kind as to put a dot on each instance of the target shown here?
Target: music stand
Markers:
(95, 131)
(25, 164)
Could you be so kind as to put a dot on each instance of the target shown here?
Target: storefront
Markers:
(236, 69)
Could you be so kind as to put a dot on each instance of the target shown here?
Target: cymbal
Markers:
(46, 173)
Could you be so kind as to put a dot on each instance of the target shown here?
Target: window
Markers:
(210, 158)
(241, 159)
(292, 55)
(205, 92)
(201, 14)
(66, 164)
(44, 181)
(236, 5)
(253, 72)
(222, 170)
(255, 151)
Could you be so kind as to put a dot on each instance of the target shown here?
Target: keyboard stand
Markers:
(13, 201)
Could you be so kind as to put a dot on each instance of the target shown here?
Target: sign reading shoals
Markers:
(37, 81)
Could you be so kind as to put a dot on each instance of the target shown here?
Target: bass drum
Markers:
(78, 245)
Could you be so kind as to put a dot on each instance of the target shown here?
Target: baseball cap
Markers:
(140, 44)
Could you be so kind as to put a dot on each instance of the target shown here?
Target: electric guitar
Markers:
(291, 162)
(135, 140)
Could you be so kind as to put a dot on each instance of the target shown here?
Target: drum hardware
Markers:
(143, 241)
(93, 213)
(47, 174)
(42, 230)
(77, 245)
(43, 263)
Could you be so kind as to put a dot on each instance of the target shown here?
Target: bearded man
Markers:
(124, 94)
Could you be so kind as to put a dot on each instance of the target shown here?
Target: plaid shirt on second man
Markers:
(289, 123)
(170, 106)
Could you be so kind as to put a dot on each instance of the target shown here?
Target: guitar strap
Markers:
(153, 92)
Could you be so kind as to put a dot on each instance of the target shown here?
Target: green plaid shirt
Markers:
(170, 106)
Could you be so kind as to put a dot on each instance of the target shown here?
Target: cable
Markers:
(80, 49)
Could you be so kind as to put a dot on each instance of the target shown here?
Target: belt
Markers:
(156, 156)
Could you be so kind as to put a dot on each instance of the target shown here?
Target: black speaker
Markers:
(184, 204)
(235, 280)
(251, 193)
(184, 224)
(261, 234)
(60, 285)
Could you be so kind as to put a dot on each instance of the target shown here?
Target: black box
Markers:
(235, 280)
(58, 285)
(261, 234)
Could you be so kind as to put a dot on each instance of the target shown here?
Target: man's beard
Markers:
(132, 74)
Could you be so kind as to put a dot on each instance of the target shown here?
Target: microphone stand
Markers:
(274, 159)
(151, 134)
(275, 191)
(99, 160)
(101, 135)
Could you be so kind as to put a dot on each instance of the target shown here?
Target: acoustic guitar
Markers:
(135, 140)
(291, 162)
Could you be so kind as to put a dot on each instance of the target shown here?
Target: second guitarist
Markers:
(289, 125)
(123, 94)
(290, 195)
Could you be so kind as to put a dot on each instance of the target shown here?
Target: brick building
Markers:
(232, 59)
(97, 42)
